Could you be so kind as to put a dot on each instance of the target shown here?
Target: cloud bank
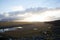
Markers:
(32, 15)
(45, 16)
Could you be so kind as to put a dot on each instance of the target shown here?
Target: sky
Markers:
(48, 10)
(44, 16)
(20, 5)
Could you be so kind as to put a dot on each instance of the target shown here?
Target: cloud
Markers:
(31, 16)
(17, 8)
(45, 16)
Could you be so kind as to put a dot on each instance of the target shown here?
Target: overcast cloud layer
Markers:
(32, 15)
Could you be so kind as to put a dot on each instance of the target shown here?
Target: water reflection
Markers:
(10, 29)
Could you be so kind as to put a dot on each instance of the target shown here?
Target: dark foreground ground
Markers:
(31, 31)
